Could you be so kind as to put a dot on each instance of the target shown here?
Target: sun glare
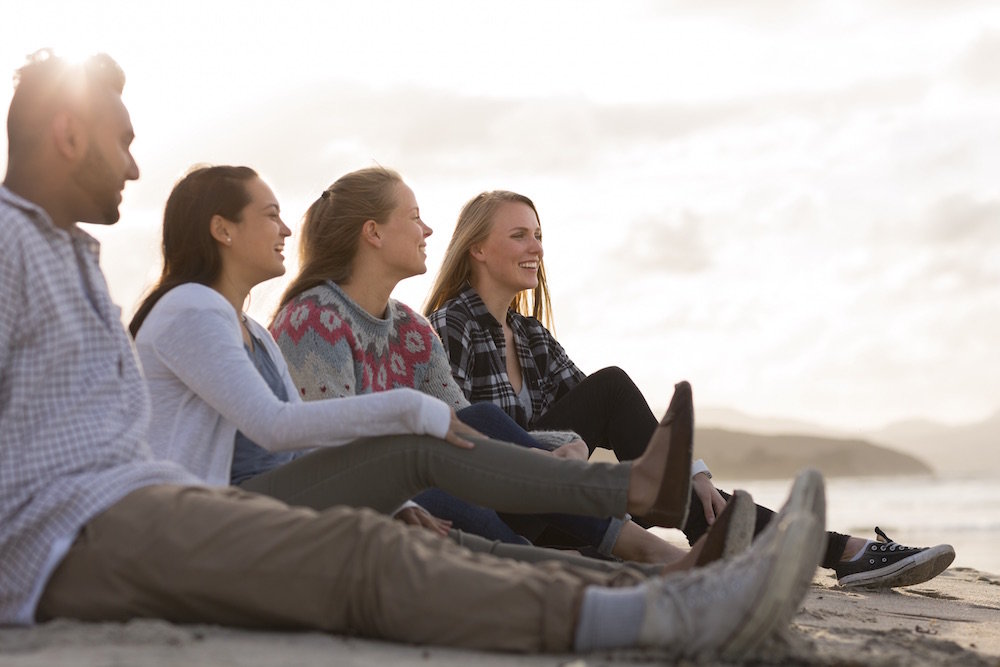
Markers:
(75, 50)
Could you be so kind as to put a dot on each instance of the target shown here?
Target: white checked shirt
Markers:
(73, 404)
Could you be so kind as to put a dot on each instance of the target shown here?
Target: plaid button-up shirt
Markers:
(73, 403)
(475, 344)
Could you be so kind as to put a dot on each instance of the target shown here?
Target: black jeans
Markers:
(609, 411)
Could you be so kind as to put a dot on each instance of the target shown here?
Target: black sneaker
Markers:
(886, 564)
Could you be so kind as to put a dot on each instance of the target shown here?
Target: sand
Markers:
(951, 620)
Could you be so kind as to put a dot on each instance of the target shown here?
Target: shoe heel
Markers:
(673, 500)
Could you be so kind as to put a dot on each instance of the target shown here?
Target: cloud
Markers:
(672, 243)
(305, 137)
(763, 14)
(962, 220)
(947, 252)
(978, 67)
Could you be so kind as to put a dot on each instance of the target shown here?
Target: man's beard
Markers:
(98, 180)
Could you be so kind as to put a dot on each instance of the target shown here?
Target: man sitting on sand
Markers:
(93, 528)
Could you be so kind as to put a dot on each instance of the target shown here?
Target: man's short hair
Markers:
(48, 83)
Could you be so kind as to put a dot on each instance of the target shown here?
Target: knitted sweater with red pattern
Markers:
(335, 348)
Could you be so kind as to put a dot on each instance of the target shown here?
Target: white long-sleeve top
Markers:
(204, 387)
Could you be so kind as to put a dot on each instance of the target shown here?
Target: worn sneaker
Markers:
(728, 608)
(808, 494)
(886, 564)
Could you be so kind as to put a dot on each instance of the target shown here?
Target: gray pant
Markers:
(208, 555)
(383, 472)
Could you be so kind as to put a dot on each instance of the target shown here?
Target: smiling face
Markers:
(107, 162)
(255, 244)
(404, 234)
(507, 260)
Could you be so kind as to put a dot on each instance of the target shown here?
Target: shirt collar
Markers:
(480, 313)
(41, 218)
(20, 202)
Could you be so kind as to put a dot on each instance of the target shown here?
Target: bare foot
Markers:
(853, 546)
(687, 561)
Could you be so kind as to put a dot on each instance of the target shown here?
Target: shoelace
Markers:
(888, 544)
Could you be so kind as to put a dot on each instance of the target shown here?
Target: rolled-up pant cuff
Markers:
(611, 535)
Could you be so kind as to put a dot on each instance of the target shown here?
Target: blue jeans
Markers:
(468, 518)
(492, 421)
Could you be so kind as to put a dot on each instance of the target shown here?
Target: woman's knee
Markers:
(491, 420)
(615, 378)
(487, 418)
(482, 411)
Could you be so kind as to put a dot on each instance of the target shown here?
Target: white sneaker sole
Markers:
(795, 552)
(739, 535)
(807, 495)
(916, 569)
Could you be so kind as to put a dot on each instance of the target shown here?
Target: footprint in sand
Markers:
(929, 593)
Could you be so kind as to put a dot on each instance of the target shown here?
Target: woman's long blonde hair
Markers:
(473, 226)
(331, 229)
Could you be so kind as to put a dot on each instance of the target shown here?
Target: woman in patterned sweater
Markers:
(342, 335)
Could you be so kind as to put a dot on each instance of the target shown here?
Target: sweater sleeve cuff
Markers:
(699, 466)
(551, 440)
(408, 503)
(435, 416)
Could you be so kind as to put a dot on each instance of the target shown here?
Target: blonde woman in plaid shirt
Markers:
(490, 305)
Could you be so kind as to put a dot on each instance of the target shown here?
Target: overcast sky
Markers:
(795, 206)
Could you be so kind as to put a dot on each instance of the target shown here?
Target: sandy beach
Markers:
(951, 620)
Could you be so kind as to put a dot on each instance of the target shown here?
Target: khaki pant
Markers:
(205, 555)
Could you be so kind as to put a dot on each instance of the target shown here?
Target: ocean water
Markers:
(915, 511)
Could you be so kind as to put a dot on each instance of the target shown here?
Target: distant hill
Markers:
(734, 420)
(735, 455)
(969, 449)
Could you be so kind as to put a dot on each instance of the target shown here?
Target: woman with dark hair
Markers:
(217, 378)
(192, 256)
(490, 305)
